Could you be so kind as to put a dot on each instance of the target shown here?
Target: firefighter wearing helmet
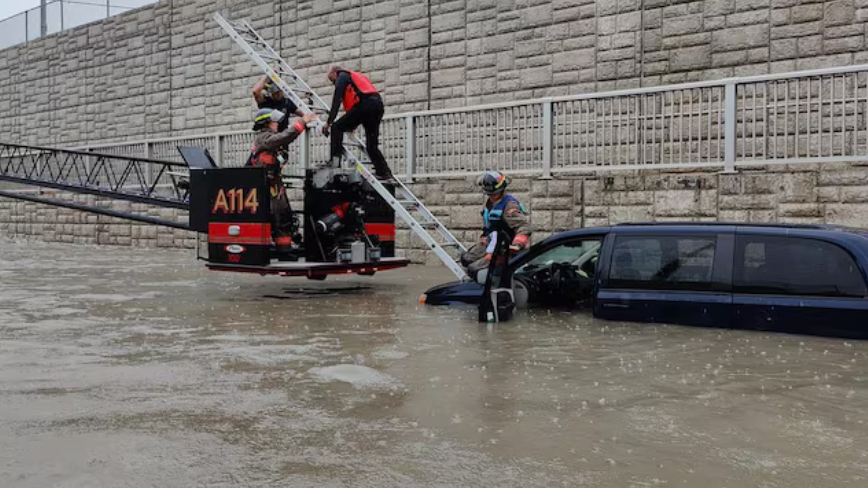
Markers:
(499, 206)
(268, 150)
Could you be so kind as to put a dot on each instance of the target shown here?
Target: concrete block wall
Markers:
(167, 69)
(802, 194)
(797, 194)
(27, 220)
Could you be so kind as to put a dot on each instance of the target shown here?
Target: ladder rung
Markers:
(298, 91)
(284, 74)
(252, 40)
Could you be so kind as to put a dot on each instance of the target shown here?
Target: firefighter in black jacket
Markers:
(363, 106)
(267, 148)
(268, 95)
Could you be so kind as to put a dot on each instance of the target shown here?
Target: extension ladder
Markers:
(403, 201)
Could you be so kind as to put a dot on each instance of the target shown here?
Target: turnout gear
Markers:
(267, 152)
(496, 212)
(499, 207)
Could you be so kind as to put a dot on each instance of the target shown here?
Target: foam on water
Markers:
(361, 377)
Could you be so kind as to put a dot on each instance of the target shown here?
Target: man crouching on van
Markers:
(499, 206)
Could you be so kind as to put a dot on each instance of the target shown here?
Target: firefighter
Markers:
(499, 206)
(268, 95)
(268, 147)
(363, 106)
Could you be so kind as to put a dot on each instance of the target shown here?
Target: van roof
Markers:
(767, 225)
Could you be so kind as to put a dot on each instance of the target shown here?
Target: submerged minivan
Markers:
(803, 279)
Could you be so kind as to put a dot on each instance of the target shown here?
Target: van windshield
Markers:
(575, 252)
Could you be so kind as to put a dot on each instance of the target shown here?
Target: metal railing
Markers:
(805, 117)
(60, 15)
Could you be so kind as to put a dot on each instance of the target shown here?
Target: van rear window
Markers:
(795, 266)
(663, 262)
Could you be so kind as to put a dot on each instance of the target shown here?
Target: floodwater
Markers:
(139, 368)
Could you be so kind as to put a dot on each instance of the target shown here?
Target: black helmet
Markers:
(493, 182)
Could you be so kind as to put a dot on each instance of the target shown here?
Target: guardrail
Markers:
(60, 15)
(791, 118)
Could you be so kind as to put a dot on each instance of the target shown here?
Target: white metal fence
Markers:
(60, 15)
(806, 117)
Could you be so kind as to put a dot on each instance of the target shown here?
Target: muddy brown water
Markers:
(139, 368)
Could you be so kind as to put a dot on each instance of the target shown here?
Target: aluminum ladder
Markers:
(403, 202)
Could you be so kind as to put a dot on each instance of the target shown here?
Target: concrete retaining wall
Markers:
(169, 70)
(26, 220)
(835, 194)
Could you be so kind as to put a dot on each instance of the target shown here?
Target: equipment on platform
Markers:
(230, 205)
(347, 227)
(397, 196)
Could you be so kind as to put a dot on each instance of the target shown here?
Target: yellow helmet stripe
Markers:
(500, 183)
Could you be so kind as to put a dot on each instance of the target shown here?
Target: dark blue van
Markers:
(788, 278)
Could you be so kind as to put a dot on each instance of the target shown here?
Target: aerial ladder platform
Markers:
(190, 187)
(410, 209)
(139, 180)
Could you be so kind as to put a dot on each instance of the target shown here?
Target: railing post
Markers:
(547, 138)
(304, 150)
(43, 18)
(729, 127)
(149, 155)
(218, 150)
(410, 146)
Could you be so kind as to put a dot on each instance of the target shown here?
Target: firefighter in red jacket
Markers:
(363, 106)
(267, 151)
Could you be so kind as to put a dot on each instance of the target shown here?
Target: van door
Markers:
(801, 285)
(561, 273)
(678, 278)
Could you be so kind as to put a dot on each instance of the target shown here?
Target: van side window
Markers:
(795, 266)
(663, 262)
